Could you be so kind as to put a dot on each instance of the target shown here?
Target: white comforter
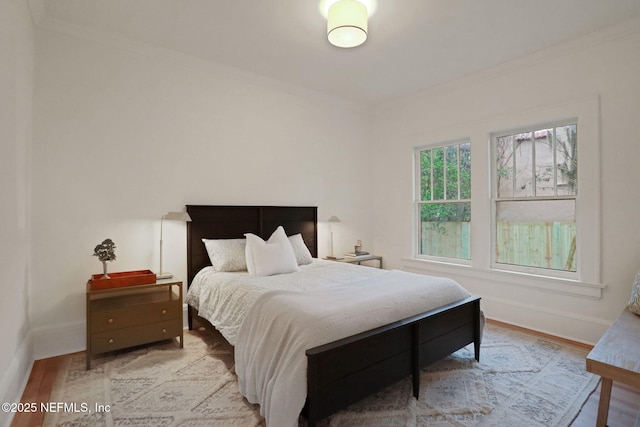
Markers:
(225, 298)
(270, 352)
(276, 323)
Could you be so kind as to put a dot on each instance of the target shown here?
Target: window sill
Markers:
(544, 283)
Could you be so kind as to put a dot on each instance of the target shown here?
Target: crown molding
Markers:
(160, 53)
(609, 34)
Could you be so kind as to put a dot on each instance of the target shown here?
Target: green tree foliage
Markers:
(445, 182)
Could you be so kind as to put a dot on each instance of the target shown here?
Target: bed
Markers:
(342, 371)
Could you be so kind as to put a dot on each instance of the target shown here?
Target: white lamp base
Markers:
(164, 275)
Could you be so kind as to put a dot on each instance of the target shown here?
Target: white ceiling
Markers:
(412, 44)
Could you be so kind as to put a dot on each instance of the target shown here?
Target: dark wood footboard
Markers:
(344, 371)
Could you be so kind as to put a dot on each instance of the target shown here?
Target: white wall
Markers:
(16, 72)
(124, 133)
(603, 66)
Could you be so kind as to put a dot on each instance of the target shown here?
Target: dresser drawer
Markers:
(118, 318)
(142, 334)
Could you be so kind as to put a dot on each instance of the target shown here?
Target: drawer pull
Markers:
(110, 320)
(164, 311)
(110, 340)
(164, 330)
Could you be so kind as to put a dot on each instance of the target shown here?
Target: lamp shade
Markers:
(347, 23)
(177, 216)
(334, 219)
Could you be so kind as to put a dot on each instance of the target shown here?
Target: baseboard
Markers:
(68, 338)
(524, 304)
(16, 377)
(562, 324)
(42, 343)
(59, 339)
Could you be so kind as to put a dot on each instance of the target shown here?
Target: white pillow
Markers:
(226, 254)
(274, 256)
(301, 251)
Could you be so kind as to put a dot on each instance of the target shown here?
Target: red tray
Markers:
(123, 278)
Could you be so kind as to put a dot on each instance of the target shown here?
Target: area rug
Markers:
(521, 380)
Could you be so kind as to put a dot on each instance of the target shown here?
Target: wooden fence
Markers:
(446, 239)
(545, 245)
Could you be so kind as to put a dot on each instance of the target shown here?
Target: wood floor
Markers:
(623, 410)
(41, 380)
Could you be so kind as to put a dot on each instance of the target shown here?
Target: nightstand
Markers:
(124, 317)
(359, 259)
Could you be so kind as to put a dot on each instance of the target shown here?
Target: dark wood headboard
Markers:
(232, 222)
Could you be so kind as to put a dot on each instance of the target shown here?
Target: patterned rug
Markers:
(522, 380)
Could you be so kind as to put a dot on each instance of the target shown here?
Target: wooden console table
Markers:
(616, 357)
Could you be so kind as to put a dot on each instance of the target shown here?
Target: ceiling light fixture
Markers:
(347, 23)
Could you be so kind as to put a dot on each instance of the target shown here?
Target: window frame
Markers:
(495, 199)
(418, 202)
(589, 226)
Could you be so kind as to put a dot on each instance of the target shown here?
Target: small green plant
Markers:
(105, 250)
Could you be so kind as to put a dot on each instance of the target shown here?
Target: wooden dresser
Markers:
(124, 317)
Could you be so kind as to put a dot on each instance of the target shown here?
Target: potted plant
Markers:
(105, 253)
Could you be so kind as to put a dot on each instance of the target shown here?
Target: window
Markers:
(444, 200)
(535, 192)
(535, 200)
